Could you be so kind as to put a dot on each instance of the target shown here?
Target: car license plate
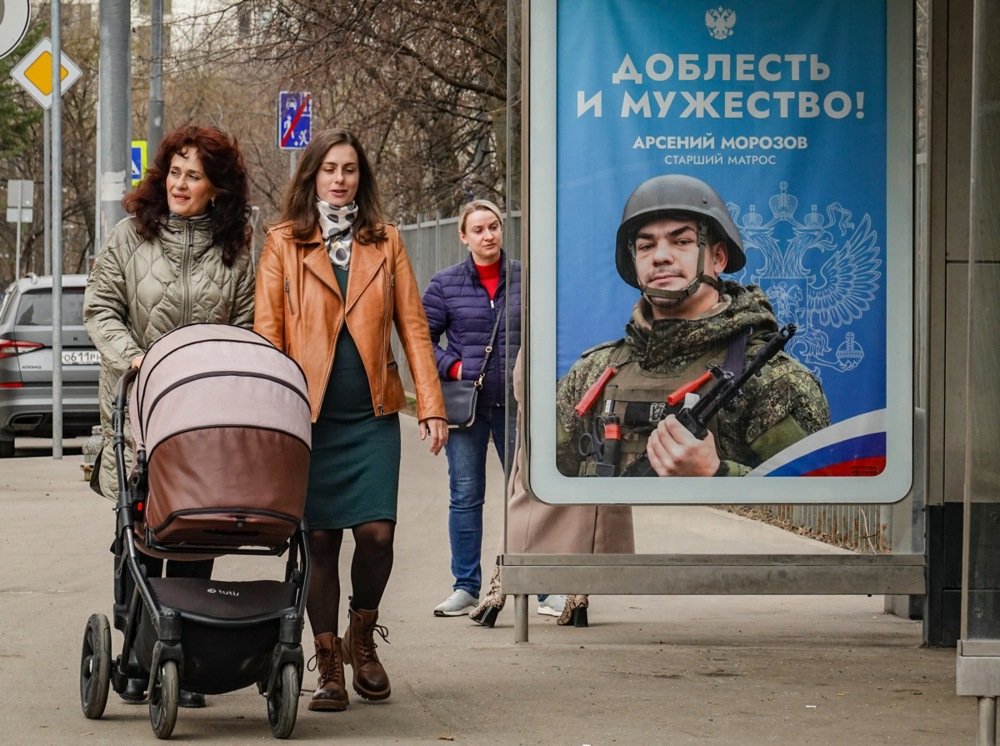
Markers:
(81, 357)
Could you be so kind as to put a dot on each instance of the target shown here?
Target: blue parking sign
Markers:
(294, 119)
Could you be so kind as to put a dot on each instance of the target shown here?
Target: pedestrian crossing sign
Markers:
(138, 161)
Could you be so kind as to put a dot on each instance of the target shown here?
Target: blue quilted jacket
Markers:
(459, 309)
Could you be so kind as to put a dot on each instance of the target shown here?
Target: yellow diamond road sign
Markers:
(34, 73)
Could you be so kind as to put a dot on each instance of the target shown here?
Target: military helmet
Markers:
(674, 192)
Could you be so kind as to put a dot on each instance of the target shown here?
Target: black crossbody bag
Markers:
(460, 397)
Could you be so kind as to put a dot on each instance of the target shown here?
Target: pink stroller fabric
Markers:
(224, 420)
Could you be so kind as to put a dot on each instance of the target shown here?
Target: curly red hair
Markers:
(222, 162)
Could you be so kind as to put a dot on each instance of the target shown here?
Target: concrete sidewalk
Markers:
(649, 669)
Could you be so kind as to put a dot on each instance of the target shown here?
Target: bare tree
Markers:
(422, 82)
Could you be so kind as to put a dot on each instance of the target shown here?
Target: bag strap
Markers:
(489, 349)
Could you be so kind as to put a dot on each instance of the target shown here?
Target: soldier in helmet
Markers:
(675, 240)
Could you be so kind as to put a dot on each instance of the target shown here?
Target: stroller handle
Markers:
(121, 400)
(118, 427)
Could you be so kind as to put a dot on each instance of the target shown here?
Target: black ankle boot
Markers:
(192, 700)
(134, 692)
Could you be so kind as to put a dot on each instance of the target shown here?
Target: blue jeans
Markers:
(466, 450)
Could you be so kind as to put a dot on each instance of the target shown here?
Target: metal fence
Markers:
(432, 245)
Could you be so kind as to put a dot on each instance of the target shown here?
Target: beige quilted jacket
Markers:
(139, 290)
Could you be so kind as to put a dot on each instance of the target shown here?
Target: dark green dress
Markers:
(354, 469)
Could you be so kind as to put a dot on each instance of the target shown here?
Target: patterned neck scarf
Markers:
(335, 224)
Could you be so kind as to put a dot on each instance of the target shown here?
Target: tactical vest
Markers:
(638, 398)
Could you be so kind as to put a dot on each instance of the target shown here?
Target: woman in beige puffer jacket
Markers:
(182, 257)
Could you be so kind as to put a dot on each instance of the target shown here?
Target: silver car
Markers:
(26, 362)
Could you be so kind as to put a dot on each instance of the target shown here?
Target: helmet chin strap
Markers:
(692, 287)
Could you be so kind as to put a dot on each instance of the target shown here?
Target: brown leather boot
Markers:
(330, 694)
(370, 679)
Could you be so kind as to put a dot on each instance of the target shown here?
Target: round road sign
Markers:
(14, 16)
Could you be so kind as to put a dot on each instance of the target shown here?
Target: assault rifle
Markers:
(727, 387)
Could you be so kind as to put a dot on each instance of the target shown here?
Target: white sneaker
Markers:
(552, 605)
(459, 603)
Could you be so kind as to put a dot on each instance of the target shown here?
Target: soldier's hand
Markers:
(674, 452)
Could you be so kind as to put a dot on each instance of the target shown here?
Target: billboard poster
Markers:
(799, 118)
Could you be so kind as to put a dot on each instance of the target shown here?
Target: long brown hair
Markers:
(300, 196)
(223, 164)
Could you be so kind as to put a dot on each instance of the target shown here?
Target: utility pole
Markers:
(114, 137)
(155, 77)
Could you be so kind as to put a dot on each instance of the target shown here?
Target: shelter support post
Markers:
(520, 617)
(986, 734)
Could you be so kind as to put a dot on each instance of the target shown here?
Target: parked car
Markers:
(26, 337)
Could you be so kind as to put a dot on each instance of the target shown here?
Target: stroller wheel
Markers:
(283, 702)
(95, 666)
(163, 695)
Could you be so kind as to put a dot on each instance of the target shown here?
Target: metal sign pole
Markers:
(17, 242)
(98, 236)
(57, 376)
(47, 207)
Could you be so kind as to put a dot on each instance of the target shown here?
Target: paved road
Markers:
(649, 669)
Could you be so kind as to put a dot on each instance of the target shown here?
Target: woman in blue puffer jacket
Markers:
(463, 303)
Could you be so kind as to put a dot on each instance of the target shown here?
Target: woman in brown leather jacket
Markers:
(332, 278)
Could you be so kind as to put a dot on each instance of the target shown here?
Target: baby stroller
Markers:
(221, 424)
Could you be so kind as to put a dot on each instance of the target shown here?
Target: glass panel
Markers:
(981, 589)
(35, 308)
(982, 498)
(6, 305)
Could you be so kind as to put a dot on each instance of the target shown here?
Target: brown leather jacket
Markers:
(300, 309)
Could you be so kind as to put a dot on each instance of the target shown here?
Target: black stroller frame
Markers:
(155, 643)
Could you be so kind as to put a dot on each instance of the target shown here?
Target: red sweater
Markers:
(489, 277)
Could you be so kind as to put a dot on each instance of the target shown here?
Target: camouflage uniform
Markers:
(780, 406)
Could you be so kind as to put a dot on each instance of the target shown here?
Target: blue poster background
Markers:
(784, 114)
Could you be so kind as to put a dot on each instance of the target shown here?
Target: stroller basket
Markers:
(221, 424)
(230, 629)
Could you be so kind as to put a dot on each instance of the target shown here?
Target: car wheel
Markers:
(6, 448)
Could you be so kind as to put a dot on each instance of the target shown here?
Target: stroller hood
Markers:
(223, 418)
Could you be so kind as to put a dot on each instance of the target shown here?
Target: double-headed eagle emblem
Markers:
(822, 272)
